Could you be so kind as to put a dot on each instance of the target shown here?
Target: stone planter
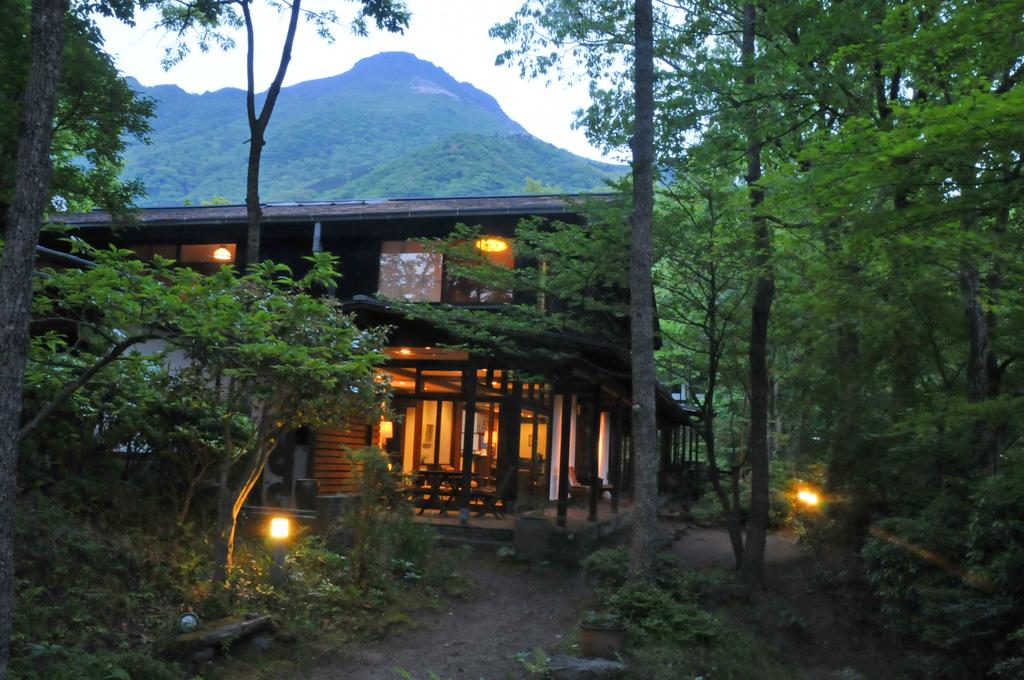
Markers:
(531, 538)
(602, 641)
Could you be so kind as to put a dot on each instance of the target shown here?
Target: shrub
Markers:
(382, 534)
(654, 614)
(951, 577)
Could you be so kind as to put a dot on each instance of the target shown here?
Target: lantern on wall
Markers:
(492, 244)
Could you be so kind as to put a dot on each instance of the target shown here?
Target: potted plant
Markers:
(602, 635)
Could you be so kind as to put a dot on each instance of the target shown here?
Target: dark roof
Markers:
(392, 208)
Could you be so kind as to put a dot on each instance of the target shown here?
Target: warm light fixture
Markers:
(405, 351)
(807, 497)
(387, 429)
(280, 527)
(222, 254)
(490, 244)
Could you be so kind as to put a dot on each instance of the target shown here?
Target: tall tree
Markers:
(645, 434)
(702, 281)
(31, 190)
(207, 19)
(752, 566)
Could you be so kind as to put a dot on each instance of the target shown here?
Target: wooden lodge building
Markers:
(485, 431)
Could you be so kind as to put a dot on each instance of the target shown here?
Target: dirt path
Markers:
(709, 548)
(512, 609)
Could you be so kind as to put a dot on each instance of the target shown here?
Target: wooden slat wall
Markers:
(332, 462)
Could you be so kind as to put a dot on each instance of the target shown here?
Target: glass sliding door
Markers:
(430, 437)
(534, 436)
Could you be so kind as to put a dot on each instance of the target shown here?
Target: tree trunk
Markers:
(752, 568)
(31, 188)
(729, 510)
(644, 542)
(258, 123)
(224, 541)
(253, 209)
(979, 358)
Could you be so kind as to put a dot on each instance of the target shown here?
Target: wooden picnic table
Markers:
(437, 489)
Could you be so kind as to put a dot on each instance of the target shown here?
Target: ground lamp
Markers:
(808, 497)
(280, 529)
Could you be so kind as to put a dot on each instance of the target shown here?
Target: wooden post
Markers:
(631, 467)
(469, 392)
(615, 456)
(666, 448)
(563, 460)
(595, 440)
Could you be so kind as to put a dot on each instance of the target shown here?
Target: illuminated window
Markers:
(408, 272)
(206, 258)
(207, 252)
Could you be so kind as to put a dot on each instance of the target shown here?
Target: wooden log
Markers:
(219, 633)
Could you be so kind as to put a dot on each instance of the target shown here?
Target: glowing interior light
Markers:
(279, 527)
(405, 351)
(387, 429)
(222, 254)
(491, 244)
(807, 497)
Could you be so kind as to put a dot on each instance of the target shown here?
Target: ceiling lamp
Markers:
(490, 244)
(222, 254)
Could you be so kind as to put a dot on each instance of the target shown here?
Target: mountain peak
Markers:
(379, 128)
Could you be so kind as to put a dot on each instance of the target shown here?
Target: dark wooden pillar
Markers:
(469, 392)
(615, 456)
(595, 441)
(665, 439)
(563, 460)
(631, 467)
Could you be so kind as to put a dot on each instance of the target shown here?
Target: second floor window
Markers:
(409, 272)
(205, 258)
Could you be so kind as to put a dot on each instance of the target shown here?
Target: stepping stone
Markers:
(579, 668)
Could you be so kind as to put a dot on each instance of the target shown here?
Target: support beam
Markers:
(563, 460)
(469, 392)
(615, 456)
(595, 440)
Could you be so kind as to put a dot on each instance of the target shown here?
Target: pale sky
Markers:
(450, 33)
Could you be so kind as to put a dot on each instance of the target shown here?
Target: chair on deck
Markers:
(489, 496)
(580, 493)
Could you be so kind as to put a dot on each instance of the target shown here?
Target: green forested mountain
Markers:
(392, 126)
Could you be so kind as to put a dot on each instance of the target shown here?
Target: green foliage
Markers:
(535, 664)
(569, 283)
(383, 537)
(654, 611)
(949, 577)
(97, 113)
(672, 633)
(96, 588)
